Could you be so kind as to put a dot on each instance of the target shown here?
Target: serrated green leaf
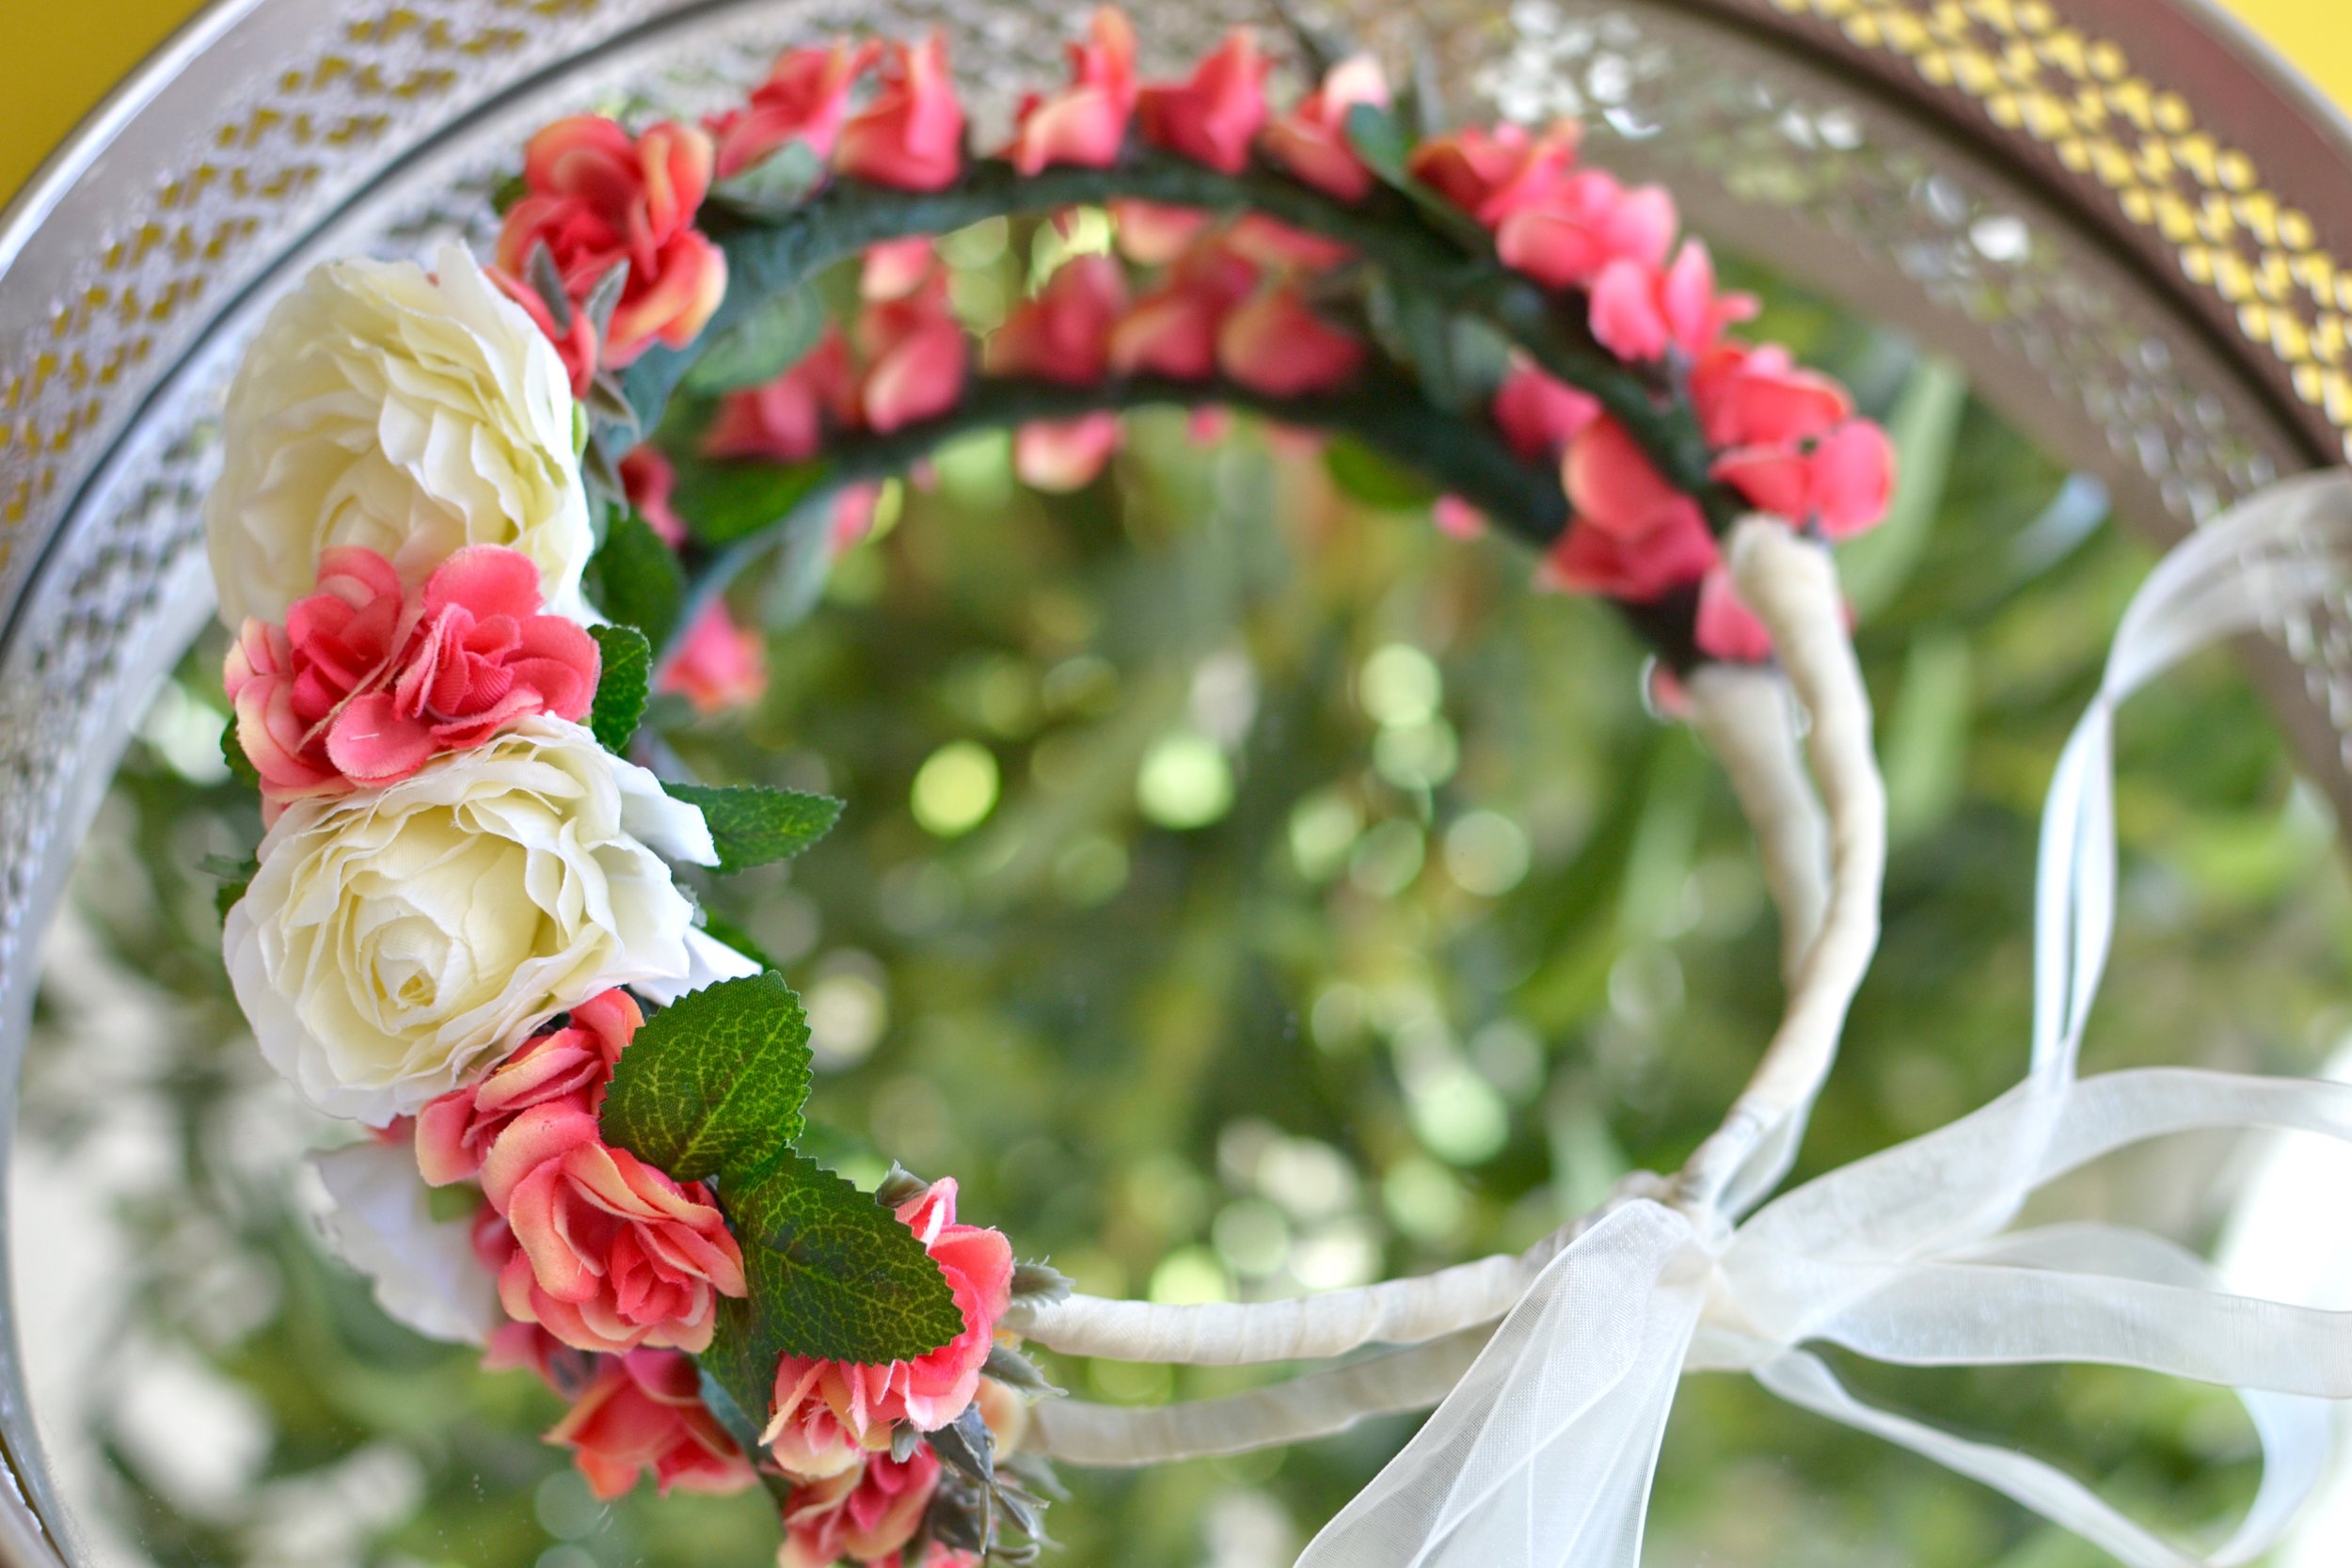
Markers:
(752, 825)
(833, 1274)
(761, 347)
(635, 579)
(723, 502)
(624, 670)
(1364, 475)
(713, 1085)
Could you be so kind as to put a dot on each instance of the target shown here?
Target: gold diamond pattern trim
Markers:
(2037, 75)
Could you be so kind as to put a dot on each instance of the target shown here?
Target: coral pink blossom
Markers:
(1679, 552)
(1152, 234)
(1311, 140)
(826, 1413)
(594, 1244)
(1064, 333)
(785, 421)
(1172, 330)
(1086, 122)
(1840, 483)
(1278, 346)
(804, 99)
(1271, 243)
(598, 199)
(1726, 628)
(518, 1347)
(365, 684)
(644, 1411)
(1588, 222)
(649, 480)
(1493, 174)
(912, 136)
(1639, 313)
(572, 1064)
(1063, 456)
(718, 664)
(895, 268)
(1214, 117)
(1612, 484)
(1538, 415)
(575, 344)
(864, 1515)
(914, 351)
(1760, 397)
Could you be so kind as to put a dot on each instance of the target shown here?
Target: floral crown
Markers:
(471, 519)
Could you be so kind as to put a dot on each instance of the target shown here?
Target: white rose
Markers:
(411, 414)
(395, 941)
(379, 1220)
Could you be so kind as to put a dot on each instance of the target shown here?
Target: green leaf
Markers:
(833, 1274)
(625, 671)
(725, 501)
(714, 1084)
(777, 183)
(635, 579)
(753, 824)
(1365, 476)
(232, 753)
(235, 877)
(507, 191)
(796, 581)
(1379, 140)
(771, 342)
(1925, 427)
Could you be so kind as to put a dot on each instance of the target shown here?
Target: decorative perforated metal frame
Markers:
(2010, 179)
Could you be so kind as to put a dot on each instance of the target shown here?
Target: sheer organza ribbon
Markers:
(1542, 1455)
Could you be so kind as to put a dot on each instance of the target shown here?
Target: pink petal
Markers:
(487, 579)
(371, 742)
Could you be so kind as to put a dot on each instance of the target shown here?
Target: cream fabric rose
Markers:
(396, 942)
(379, 1220)
(409, 413)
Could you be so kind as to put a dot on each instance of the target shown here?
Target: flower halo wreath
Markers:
(455, 568)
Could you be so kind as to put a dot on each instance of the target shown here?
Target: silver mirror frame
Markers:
(2123, 216)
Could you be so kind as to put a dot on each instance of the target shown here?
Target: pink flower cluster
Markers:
(610, 1270)
(587, 1240)
(600, 200)
(831, 1424)
(1233, 300)
(829, 1414)
(367, 681)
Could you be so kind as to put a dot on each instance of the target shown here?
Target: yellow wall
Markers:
(57, 57)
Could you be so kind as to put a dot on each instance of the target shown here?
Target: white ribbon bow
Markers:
(1542, 1455)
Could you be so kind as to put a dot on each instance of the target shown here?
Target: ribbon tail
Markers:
(2296, 1431)
(1543, 1454)
(1801, 1379)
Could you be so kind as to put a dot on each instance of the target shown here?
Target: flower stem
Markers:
(771, 251)
(1464, 457)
